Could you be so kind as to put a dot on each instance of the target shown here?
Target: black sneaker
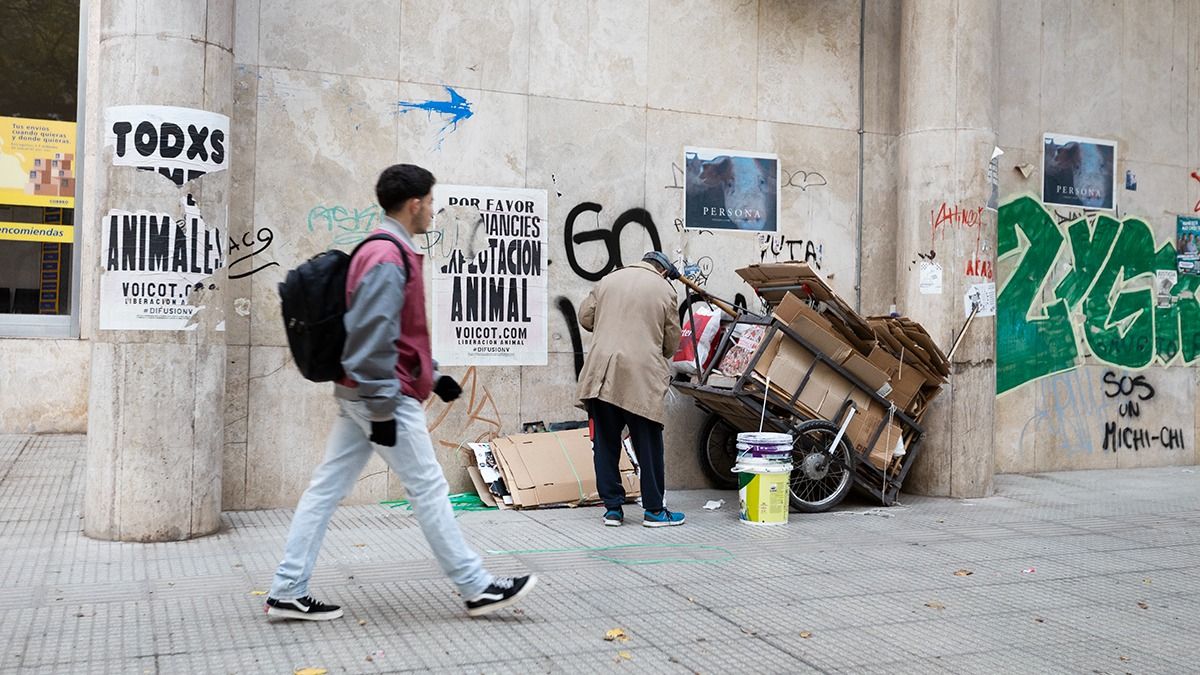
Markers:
(503, 592)
(304, 608)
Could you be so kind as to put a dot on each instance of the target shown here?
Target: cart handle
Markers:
(721, 304)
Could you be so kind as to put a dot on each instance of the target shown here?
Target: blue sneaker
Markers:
(662, 518)
(614, 517)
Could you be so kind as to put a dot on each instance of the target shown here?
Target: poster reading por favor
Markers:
(1079, 171)
(490, 291)
(731, 190)
(152, 263)
(180, 143)
(37, 163)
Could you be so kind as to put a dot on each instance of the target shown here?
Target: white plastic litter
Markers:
(714, 504)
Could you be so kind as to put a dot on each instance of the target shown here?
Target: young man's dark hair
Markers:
(401, 182)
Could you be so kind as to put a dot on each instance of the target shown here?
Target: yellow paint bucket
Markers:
(763, 491)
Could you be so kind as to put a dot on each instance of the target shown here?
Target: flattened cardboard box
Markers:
(554, 468)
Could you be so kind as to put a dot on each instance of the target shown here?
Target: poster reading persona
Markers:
(490, 291)
(1080, 172)
(731, 190)
(152, 265)
(180, 143)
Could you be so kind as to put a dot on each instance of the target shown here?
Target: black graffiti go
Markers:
(610, 238)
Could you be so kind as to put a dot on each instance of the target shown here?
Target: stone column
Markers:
(948, 116)
(155, 417)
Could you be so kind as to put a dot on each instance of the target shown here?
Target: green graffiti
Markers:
(1032, 341)
(1106, 296)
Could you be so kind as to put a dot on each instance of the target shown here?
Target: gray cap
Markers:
(660, 259)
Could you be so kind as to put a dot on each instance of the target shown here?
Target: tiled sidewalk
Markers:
(1073, 572)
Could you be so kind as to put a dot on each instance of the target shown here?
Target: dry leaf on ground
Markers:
(310, 671)
(258, 592)
(616, 634)
(934, 604)
(628, 656)
(963, 573)
(805, 634)
(1143, 605)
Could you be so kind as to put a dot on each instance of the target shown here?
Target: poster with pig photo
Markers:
(731, 190)
(1079, 172)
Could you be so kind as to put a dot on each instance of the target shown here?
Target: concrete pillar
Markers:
(155, 422)
(948, 116)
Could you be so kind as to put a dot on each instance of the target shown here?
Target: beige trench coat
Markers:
(633, 316)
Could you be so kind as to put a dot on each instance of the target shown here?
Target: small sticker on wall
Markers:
(983, 296)
(931, 278)
(1164, 281)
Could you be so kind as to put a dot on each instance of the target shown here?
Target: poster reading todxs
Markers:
(156, 257)
(489, 276)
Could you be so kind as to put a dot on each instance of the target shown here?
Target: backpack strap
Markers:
(381, 236)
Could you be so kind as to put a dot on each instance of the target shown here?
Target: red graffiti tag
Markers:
(955, 216)
(1196, 208)
(978, 267)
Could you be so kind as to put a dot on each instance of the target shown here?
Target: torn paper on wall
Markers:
(152, 264)
(931, 278)
(983, 295)
(180, 143)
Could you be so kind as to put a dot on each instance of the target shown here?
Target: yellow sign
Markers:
(44, 232)
(37, 162)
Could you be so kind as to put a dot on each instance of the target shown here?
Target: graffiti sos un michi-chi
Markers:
(1090, 281)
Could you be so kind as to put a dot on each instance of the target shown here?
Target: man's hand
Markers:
(384, 433)
(447, 389)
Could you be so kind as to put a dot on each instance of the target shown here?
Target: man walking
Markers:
(625, 377)
(389, 374)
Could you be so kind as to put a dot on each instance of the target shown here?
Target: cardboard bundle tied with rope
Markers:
(893, 356)
(550, 469)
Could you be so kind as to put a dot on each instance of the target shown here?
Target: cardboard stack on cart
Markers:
(893, 357)
(526, 471)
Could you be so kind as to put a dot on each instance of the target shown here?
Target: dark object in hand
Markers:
(447, 389)
(384, 433)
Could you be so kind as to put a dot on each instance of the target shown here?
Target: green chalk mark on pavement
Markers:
(597, 552)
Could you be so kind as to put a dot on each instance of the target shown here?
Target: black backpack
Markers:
(313, 297)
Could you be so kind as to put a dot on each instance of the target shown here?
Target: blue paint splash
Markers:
(456, 109)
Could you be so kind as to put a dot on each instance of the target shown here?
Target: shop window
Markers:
(39, 167)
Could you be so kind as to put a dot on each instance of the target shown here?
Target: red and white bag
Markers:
(708, 326)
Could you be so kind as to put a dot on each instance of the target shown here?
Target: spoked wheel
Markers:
(718, 452)
(820, 479)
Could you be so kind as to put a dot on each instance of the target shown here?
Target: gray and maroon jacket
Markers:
(387, 348)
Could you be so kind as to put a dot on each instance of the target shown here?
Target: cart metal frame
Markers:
(751, 397)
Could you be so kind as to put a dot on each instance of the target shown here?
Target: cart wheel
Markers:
(718, 452)
(819, 480)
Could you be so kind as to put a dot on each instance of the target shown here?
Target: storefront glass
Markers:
(39, 163)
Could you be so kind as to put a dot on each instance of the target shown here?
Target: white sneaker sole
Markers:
(501, 604)
(653, 523)
(613, 523)
(281, 613)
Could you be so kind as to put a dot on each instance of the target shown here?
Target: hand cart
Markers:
(826, 465)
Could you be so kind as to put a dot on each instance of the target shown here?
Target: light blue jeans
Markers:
(413, 460)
